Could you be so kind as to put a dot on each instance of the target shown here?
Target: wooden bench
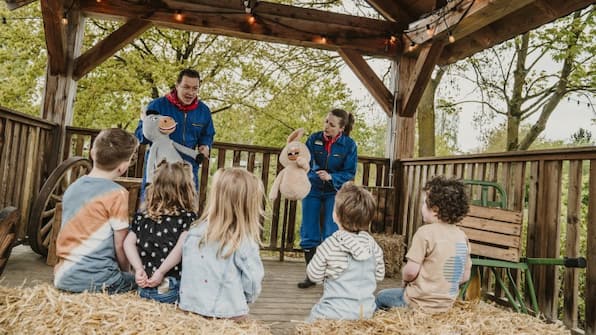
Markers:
(495, 242)
(9, 218)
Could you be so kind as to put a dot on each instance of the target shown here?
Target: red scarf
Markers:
(173, 99)
(329, 141)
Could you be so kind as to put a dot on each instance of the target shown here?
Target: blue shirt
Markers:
(214, 286)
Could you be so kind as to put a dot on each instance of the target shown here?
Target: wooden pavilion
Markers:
(400, 35)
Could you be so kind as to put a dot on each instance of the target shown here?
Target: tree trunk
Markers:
(560, 90)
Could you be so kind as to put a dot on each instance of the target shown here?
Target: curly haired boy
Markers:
(438, 259)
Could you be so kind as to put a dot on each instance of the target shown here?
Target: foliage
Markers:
(258, 92)
(516, 80)
(23, 59)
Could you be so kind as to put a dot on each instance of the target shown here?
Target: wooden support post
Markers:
(411, 86)
(60, 87)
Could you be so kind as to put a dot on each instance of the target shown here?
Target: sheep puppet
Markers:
(157, 129)
(292, 182)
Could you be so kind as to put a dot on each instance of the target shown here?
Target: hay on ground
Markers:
(393, 251)
(464, 318)
(44, 310)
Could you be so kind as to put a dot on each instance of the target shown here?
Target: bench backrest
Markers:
(494, 232)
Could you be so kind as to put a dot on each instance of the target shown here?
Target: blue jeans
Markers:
(125, 283)
(389, 298)
(168, 294)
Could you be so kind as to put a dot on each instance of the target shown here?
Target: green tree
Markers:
(258, 92)
(515, 82)
(23, 59)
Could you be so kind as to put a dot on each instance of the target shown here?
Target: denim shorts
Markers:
(389, 298)
(167, 292)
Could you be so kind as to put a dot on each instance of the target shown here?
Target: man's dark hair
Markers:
(188, 73)
(448, 197)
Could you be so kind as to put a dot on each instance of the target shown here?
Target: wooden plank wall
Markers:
(537, 182)
(25, 144)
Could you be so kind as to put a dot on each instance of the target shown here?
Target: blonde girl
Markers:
(221, 266)
(154, 243)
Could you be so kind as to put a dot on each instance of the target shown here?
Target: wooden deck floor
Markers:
(281, 304)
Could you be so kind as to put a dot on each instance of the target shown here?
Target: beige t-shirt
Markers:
(443, 252)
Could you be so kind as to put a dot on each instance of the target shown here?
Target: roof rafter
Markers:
(510, 26)
(369, 78)
(109, 46)
(391, 10)
(478, 13)
(274, 23)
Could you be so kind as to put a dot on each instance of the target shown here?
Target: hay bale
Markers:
(44, 310)
(464, 318)
(394, 249)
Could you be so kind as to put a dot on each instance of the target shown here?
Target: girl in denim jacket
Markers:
(221, 266)
(153, 245)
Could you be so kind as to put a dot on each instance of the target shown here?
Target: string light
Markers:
(429, 30)
(412, 46)
(251, 19)
(451, 37)
(64, 19)
(178, 16)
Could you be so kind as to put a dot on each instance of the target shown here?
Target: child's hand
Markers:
(141, 278)
(155, 279)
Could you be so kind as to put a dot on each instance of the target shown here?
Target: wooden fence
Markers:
(26, 146)
(541, 183)
(553, 188)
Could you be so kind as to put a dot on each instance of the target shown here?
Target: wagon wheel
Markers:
(42, 213)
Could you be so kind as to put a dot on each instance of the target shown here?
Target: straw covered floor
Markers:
(44, 310)
(464, 318)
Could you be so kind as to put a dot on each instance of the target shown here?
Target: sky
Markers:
(565, 120)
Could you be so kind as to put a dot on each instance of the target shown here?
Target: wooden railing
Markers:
(540, 183)
(26, 144)
(537, 182)
(280, 226)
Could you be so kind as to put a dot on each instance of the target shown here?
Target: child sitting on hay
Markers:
(154, 244)
(439, 254)
(349, 261)
(221, 267)
(89, 245)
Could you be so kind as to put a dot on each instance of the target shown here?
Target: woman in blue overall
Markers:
(333, 162)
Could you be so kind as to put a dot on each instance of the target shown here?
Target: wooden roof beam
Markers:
(392, 10)
(14, 4)
(295, 29)
(510, 26)
(369, 78)
(412, 85)
(109, 46)
(55, 36)
(478, 13)
(306, 15)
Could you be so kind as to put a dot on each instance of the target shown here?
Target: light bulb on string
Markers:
(429, 30)
(178, 16)
(64, 20)
(412, 46)
(451, 37)
(251, 19)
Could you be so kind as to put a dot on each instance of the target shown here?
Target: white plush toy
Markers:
(157, 129)
(293, 181)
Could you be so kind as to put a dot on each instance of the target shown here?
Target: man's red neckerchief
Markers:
(173, 99)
